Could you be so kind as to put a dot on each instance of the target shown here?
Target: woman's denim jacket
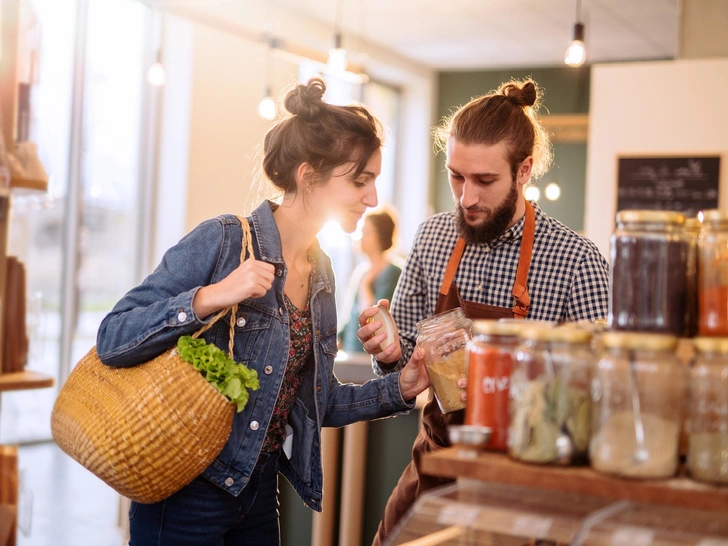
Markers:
(151, 317)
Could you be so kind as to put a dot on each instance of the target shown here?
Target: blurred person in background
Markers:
(376, 278)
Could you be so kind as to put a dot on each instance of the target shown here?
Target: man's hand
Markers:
(372, 343)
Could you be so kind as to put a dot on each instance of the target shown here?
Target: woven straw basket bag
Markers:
(147, 430)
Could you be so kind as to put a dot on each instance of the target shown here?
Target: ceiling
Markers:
(467, 34)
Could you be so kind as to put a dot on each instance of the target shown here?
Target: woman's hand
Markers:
(413, 379)
(251, 279)
(371, 342)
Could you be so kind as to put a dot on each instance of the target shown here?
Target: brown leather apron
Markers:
(434, 432)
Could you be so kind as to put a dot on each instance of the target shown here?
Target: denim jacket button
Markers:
(240, 322)
(254, 425)
(268, 370)
(182, 316)
(229, 482)
(280, 310)
(279, 271)
(318, 388)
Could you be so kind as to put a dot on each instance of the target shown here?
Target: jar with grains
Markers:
(638, 391)
(550, 403)
(489, 360)
(443, 338)
(707, 423)
(692, 230)
(713, 274)
(648, 272)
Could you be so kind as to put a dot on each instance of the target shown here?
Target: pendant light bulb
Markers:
(576, 53)
(337, 56)
(267, 106)
(157, 75)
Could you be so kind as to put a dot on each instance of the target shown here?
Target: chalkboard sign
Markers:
(682, 184)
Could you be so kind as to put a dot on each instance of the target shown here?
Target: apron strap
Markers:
(521, 300)
(452, 266)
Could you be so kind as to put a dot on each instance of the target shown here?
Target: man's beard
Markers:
(493, 226)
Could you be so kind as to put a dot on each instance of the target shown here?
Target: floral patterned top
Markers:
(301, 347)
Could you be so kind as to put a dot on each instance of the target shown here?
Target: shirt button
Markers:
(229, 482)
(254, 425)
(182, 316)
(241, 322)
(268, 370)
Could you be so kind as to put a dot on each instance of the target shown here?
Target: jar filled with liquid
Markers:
(713, 274)
(550, 402)
(707, 424)
(648, 272)
(443, 337)
(638, 392)
(692, 230)
(489, 361)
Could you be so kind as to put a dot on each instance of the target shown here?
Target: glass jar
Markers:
(648, 272)
(489, 360)
(637, 393)
(707, 423)
(713, 274)
(550, 404)
(692, 230)
(443, 338)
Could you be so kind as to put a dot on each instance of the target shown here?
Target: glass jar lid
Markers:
(535, 332)
(650, 217)
(497, 328)
(715, 216)
(637, 341)
(571, 334)
(711, 344)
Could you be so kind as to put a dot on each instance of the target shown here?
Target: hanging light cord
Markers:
(578, 11)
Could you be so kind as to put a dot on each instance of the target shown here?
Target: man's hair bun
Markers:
(524, 95)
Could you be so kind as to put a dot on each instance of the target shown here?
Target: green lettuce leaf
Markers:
(230, 378)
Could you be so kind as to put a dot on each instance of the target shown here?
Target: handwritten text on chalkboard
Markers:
(683, 184)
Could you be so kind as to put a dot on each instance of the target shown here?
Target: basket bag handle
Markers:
(247, 248)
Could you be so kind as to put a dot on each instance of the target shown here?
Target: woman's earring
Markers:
(308, 189)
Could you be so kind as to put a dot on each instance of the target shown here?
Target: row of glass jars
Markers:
(669, 274)
(547, 399)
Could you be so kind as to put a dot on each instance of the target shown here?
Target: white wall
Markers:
(666, 107)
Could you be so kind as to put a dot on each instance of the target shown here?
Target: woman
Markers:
(376, 278)
(325, 160)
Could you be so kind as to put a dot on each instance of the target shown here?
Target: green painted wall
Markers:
(566, 91)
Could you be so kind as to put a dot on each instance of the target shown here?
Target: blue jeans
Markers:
(202, 514)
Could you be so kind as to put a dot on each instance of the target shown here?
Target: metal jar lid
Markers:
(650, 217)
(711, 344)
(497, 327)
(639, 340)
(715, 216)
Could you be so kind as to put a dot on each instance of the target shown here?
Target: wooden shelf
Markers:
(454, 462)
(28, 379)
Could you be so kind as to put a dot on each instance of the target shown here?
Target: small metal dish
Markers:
(470, 435)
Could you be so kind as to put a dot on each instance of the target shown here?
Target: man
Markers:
(495, 256)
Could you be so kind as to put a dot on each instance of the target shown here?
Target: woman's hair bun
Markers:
(306, 101)
(521, 95)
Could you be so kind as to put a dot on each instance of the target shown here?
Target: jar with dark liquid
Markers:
(648, 273)
(692, 230)
(713, 274)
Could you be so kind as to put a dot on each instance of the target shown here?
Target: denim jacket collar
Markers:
(270, 247)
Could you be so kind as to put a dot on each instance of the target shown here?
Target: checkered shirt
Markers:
(567, 280)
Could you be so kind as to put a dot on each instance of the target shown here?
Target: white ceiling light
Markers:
(576, 53)
(531, 193)
(157, 75)
(552, 191)
(267, 105)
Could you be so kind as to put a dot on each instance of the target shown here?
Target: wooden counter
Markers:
(497, 467)
(28, 379)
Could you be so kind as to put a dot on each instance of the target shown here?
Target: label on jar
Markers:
(489, 372)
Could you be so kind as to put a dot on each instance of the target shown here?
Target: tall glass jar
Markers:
(638, 393)
(648, 272)
(489, 360)
(708, 411)
(443, 338)
(692, 230)
(550, 404)
(713, 274)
